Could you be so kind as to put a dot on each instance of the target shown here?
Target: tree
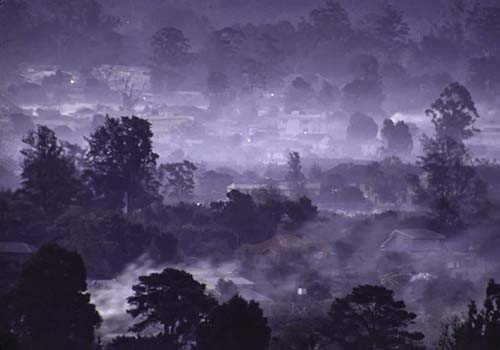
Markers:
(225, 45)
(330, 22)
(451, 188)
(51, 306)
(454, 113)
(170, 52)
(481, 328)
(300, 211)
(170, 46)
(397, 138)
(49, 177)
(390, 26)
(240, 214)
(178, 179)
(361, 128)
(295, 176)
(109, 241)
(299, 96)
(370, 318)
(364, 93)
(172, 299)
(235, 325)
(121, 163)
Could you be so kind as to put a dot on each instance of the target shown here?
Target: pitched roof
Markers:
(415, 234)
(15, 248)
(418, 233)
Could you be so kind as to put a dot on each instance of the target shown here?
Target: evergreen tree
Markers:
(295, 176)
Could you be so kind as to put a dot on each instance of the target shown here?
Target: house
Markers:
(270, 250)
(16, 252)
(415, 242)
(312, 189)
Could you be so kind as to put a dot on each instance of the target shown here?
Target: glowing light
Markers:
(249, 140)
(72, 81)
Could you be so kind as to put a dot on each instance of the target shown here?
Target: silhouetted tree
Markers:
(361, 127)
(235, 325)
(240, 215)
(170, 51)
(454, 113)
(397, 138)
(451, 188)
(227, 42)
(300, 211)
(481, 328)
(172, 299)
(295, 177)
(178, 179)
(49, 176)
(364, 93)
(370, 318)
(51, 306)
(121, 163)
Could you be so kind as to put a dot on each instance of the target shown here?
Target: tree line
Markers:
(50, 308)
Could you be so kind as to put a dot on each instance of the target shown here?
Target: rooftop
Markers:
(418, 233)
(15, 248)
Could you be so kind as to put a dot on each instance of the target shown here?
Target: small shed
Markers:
(414, 241)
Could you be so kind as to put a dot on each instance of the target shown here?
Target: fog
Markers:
(297, 149)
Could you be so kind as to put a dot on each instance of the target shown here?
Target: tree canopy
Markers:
(235, 325)
(370, 318)
(51, 306)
